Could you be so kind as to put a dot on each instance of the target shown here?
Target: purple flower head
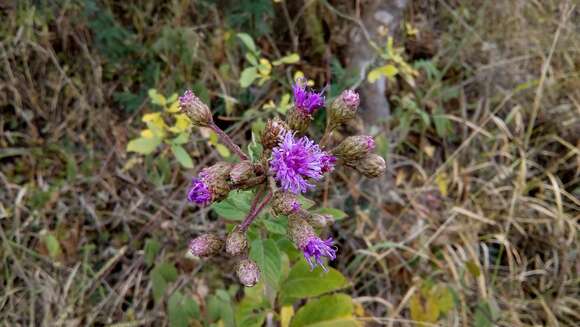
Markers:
(370, 143)
(351, 99)
(317, 248)
(199, 192)
(305, 101)
(296, 206)
(187, 99)
(328, 162)
(294, 161)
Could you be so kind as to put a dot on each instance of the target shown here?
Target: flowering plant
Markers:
(289, 165)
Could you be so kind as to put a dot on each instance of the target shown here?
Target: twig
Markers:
(253, 214)
(228, 141)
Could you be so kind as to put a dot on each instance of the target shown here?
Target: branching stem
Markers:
(254, 213)
(228, 141)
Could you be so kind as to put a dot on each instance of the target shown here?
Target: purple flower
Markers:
(295, 161)
(317, 248)
(328, 162)
(370, 143)
(199, 192)
(306, 102)
(296, 206)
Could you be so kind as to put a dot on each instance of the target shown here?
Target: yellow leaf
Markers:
(387, 70)
(442, 182)
(424, 308)
(174, 107)
(410, 29)
(213, 138)
(155, 123)
(147, 133)
(222, 150)
(156, 97)
(289, 59)
(286, 314)
(264, 68)
(182, 124)
(269, 105)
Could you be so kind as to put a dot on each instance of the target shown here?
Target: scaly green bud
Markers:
(354, 147)
(343, 108)
(285, 203)
(298, 121)
(273, 132)
(206, 245)
(236, 244)
(372, 165)
(197, 111)
(248, 272)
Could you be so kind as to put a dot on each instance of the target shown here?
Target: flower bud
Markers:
(205, 245)
(320, 221)
(299, 231)
(197, 111)
(212, 184)
(298, 121)
(248, 272)
(285, 203)
(273, 132)
(242, 173)
(371, 166)
(354, 147)
(236, 244)
(344, 107)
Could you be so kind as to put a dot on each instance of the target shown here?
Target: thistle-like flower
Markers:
(296, 160)
(313, 247)
(305, 104)
(211, 185)
(197, 111)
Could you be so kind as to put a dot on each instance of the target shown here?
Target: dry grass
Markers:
(501, 232)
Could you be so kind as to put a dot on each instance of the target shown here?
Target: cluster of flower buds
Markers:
(291, 164)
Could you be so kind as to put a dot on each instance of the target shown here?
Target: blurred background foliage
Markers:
(475, 224)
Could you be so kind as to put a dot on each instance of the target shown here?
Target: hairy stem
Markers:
(254, 213)
(228, 141)
(326, 135)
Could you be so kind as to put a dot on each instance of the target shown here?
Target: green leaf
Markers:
(275, 225)
(330, 310)
(181, 310)
(335, 213)
(387, 70)
(52, 245)
(220, 307)
(181, 138)
(267, 256)
(182, 156)
(248, 42)
(250, 311)
(302, 282)
(485, 315)
(305, 203)
(161, 276)
(236, 206)
(143, 145)
(248, 76)
(289, 59)
(252, 58)
(156, 97)
(152, 247)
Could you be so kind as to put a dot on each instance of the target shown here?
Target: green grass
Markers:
(481, 194)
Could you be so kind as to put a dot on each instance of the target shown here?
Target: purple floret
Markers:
(317, 248)
(199, 192)
(295, 161)
(328, 162)
(370, 143)
(305, 101)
